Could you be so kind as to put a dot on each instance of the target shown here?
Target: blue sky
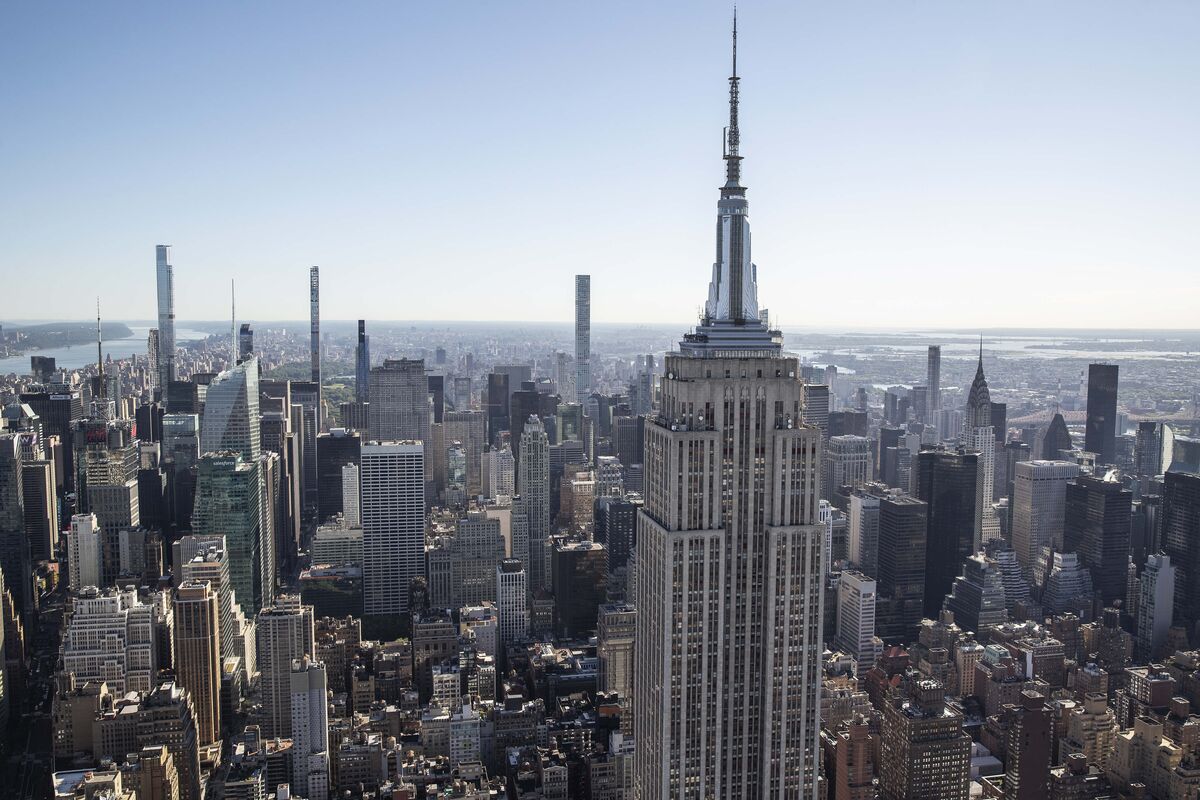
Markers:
(909, 163)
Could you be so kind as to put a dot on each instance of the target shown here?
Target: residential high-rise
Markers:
(583, 337)
(1096, 525)
(1100, 433)
(1155, 606)
(1029, 747)
(512, 606)
(314, 322)
(198, 655)
(933, 379)
(362, 364)
(925, 753)
(1181, 541)
(730, 554)
(308, 685)
(1039, 502)
(393, 523)
(533, 482)
(947, 483)
(166, 316)
(285, 633)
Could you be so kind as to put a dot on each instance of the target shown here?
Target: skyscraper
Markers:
(856, 619)
(15, 555)
(1100, 433)
(900, 602)
(583, 336)
(1181, 541)
(310, 729)
(729, 590)
(947, 482)
(1039, 505)
(980, 436)
(512, 606)
(245, 342)
(314, 322)
(933, 369)
(1096, 525)
(231, 416)
(229, 503)
(285, 633)
(847, 463)
(925, 753)
(198, 655)
(362, 364)
(533, 483)
(393, 522)
(400, 407)
(166, 317)
(1155, 606)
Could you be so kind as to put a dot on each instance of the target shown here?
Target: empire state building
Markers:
(727, 664)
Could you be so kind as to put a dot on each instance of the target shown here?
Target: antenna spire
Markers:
(733, 167)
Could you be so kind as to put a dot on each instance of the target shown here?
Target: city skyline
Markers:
(905, 142)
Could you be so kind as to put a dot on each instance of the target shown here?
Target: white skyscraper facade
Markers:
(856, 619)
(84, 551)
(512, 606)
(393, 522)
(310, 730)
(350, 502)
(729, 596)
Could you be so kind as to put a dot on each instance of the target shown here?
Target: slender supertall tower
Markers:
(583, 336)
(730, 553)
(314, 320)
(362, 364)
(166, 317)
(934, 377)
